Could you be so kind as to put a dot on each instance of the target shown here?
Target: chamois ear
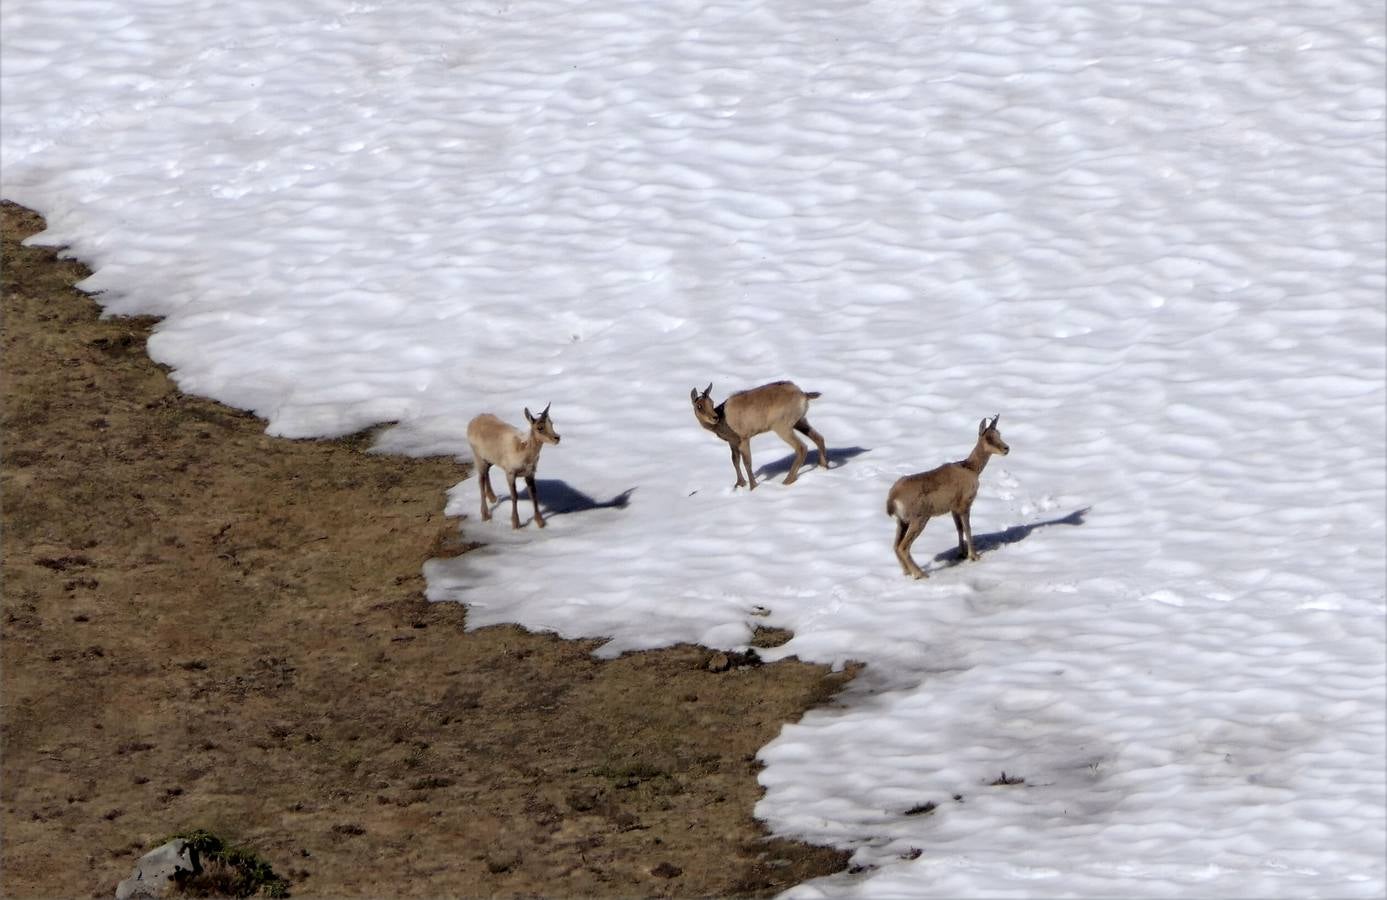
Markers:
(693, 395)
(708, 390)
(982, 426)
(994, 420)
(545, 414)
(529, 418)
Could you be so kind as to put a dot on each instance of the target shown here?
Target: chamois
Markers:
(496, 443)
(948, 488)
(779, 406)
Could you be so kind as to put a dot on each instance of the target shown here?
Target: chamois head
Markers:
(542, 427)
(990, 438)
(704, 410)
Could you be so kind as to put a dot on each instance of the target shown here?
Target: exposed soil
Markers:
(206, 627)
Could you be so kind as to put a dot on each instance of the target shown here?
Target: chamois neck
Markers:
(721, 428)
(530, 447)
(724, 431)
(977, 460)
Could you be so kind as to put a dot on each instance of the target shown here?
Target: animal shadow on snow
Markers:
(558, 497)
(837, 456)
(992, 540)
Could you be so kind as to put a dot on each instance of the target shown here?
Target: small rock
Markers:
(747, 658)
(582, 800)
(502, 860)
(155, 872)
(666, 870)
(721, 662)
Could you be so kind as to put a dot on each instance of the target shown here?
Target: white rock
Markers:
(154, 873)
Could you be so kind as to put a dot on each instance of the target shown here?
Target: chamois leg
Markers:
(514, 501)
(912, 531)
(484, 479)
(534, 497)
(962, 541)
(788, 436)
(968, 533)
(804, 428)
(745, 449)
(737, 465)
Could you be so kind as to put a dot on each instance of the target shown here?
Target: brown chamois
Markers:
(950, 488)
(494, 443)
(779, 406)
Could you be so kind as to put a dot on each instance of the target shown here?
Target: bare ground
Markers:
(205, 627)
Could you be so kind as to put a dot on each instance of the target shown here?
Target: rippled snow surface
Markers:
(1150, 235)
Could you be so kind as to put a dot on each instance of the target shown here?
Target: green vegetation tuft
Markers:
(225, 870)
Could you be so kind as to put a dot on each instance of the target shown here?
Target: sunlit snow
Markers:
(1150, 235)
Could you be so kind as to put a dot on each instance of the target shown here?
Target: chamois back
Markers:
(779, 404)
(497, 442)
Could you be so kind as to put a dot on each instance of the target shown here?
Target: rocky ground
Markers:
(206, 627)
